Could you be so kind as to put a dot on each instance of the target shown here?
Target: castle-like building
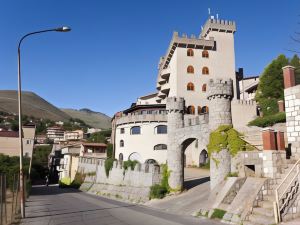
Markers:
(141, 131)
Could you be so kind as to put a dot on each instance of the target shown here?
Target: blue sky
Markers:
(110, 57)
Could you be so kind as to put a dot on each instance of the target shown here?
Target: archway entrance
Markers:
(192, 157)
(203, 158)
(135, 157)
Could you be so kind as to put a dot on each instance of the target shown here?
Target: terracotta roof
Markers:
(95, 144)
(9, 134)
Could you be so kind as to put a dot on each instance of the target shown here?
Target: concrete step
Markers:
(269, 197)
(246, 222)
(266, 204)
(262, 211)
(261, 219)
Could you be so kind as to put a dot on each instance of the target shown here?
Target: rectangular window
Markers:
(122, 131)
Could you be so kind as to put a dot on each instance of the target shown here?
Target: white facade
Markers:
(184, 71)
(248, 87)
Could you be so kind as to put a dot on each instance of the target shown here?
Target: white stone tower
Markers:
(219, 94)
(175, 109)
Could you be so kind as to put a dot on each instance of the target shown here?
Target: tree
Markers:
(270, 87)
(295, 61)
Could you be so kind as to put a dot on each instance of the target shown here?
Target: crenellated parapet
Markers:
(226, 26)
(175, 104)
(220, 88)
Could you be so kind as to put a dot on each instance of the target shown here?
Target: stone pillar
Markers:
(288, 76)
(175, 109)
(219, 167)
(219, 95)
(280, 140)
(281, 106)
(269, 139)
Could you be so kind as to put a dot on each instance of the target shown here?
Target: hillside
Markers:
(94, 119)
(32, 105)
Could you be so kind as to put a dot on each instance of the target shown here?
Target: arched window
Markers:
(204, 88)
(191, 110)
(199, 110)
(205, 54)
(205, 70)
(190, 52)
(120, 157)
(204, 109)
(121, 143)
(161, 129)
(135, 130)
(151, 161)
(160, 147)
(190, 86)
(190, 69)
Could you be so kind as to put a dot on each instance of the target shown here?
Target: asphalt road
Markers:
(54, 206)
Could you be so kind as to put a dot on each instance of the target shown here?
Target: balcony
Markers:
(161, 95)
(165, 88)
(165, 73)
(142, 118)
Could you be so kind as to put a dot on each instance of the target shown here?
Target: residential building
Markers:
(55, 133)
(9, 141)
(97, 150)
(73, 135)
(140, 132)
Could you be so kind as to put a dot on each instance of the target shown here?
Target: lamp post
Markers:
(22, 192)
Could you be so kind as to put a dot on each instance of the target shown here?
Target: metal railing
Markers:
(286, 190)
(9, 199)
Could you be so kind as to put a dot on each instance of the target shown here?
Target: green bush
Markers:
(232, 174)
(129, 163)
(218, 213)
(109, 162)
(206, 165)
(158, 191)
(268, 120)
(78, 180)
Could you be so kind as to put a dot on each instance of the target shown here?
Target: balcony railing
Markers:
(94, 155)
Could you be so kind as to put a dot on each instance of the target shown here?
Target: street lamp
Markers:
(59, 29)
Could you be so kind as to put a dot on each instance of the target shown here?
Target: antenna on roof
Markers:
(208, 11)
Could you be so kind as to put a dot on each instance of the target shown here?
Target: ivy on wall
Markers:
(225, 137)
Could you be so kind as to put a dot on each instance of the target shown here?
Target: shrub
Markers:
(130, 164)
(109, 162)
(78, 180)
(64, 182)
(218, 213)
(206, 165)
(232, 174)
(268, 120)
(158, 191)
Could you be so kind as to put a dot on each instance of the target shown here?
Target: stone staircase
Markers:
(263, 210)
(253, 137)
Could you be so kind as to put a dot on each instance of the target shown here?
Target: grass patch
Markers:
(218, 214)
(232, 174)
(268, 120)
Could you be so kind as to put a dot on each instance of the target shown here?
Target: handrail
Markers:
(277, 197)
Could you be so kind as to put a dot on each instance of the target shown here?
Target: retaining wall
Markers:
(133, 185)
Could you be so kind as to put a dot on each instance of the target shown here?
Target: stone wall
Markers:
(242, 112)
(133, 185)
(292, 109)
(266, 163)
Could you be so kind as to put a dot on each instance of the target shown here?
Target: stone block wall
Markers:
(266, 163)
(242, 112)
(133, 185)
(292, 108)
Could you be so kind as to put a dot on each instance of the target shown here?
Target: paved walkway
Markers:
(189, 202)
(54, 206)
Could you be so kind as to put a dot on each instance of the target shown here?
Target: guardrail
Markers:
(286, 190)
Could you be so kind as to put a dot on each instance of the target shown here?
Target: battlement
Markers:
(225, 26)
(175, 104)
(220, 87)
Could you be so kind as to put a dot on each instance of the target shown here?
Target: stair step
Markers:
(261, 219)
(246, 222)
(269, 197)
(262, 211)
(266, 204)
